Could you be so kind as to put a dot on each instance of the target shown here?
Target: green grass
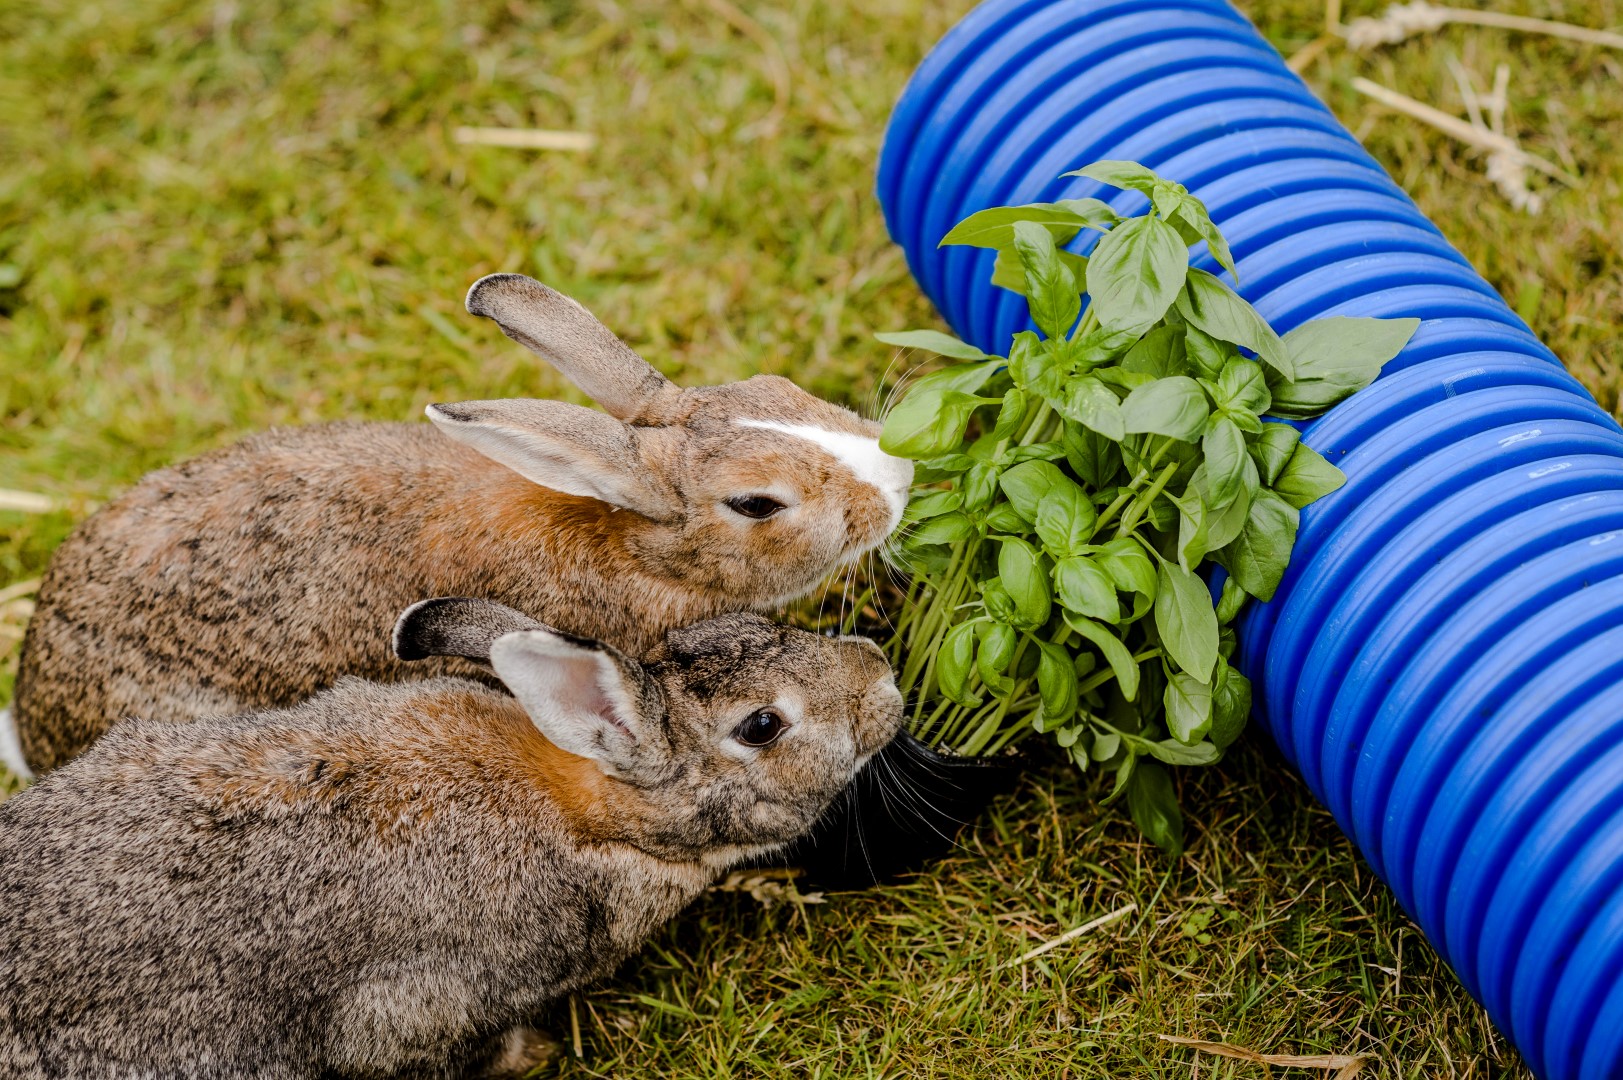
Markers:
(218, 217)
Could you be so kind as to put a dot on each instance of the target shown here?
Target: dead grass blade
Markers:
(1348, 1065)
(26, 501)
(525, 138)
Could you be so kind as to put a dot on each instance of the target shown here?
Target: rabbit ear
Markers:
(455, 626)
(584, 696)
(571, 339)
(565, 447)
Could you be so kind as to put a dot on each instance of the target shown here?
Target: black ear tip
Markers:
(417, 628)
(480, 293)
(459, 414)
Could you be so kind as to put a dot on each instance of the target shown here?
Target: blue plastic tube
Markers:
(1444, 659)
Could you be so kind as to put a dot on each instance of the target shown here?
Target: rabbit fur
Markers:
(256, 575)
(390, 879)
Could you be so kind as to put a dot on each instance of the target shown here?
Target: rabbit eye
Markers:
(759, 728)
(754, 506)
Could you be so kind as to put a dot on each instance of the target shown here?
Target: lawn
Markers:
(219, 217)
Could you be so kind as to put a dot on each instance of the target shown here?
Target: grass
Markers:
(218, 217)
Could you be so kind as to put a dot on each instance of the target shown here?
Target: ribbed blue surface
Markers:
(1444, 660)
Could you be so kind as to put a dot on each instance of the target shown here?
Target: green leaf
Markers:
(1185, 620)
(1127, 566)
(1226, 463)
(997, 602)
(1093, 405)
(1205, 354)
(1154, 807)
(994, 228)
(1086, 589)
(1056, 683)
(1004, 518)
(946, 529)
(933, 341)
(1193, 542)
(1231, 601)
(1021, 571)
(1174, 406)
(1158, 353)
(1105, 745)
(1258, 556)
(1243, 386)
(1010, 415)
(1193, 214)
(1127, 175)
(1174, 752)
(1136, 272)
(1094, 456)
(1051, 290)
(1334, 358)
(1026, 484)
(933, 504)
(1307, 476)
(925, 425)
(954, 660)
(1272, 451)
(1188, 704)
(1009, 271)
(1214, 308)
(964, 378)
(1223, 525)
(1117, 655)
(1231, 705)
(980, 485)
(997, 650)
(1065, 519)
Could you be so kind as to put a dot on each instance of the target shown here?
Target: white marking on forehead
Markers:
(861, 455)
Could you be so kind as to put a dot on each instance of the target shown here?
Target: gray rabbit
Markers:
(253, 576)
(389, 879)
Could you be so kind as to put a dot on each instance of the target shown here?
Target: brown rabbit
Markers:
(389, 880)
(256, 575)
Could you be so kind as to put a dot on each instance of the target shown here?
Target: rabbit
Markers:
(389, 879)
(255, 575)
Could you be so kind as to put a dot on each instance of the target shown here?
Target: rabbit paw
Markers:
(520, 1051)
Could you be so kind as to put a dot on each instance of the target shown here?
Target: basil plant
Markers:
(1074, 494)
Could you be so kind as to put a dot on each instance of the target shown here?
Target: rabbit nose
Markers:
(880, 717)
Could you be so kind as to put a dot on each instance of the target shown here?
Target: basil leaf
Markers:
(1193, 213)
(1065, 519)
(1213, 307)
(1094, 457)
(1174, 406)
(1010, 415)
(932, 505)
(1009, 271)
(1174, 752)
(1205, 354)
(954, 660)
(1242, 385)
(1052, 292)
(927, 423)
(1336, 357)
(1258, 556)
(1004, 518)
(1185, 620)
(1086, 589)
(994, 228)
(997, 649)
(1046, 451)
(932, 341)
(1105, 745)
(998, 604)
(1231, 705)
(1155, 808)
(1231, 601)
(946, 529)
(1158, 353)
(1056, 684)
(1128, 175)
(980, 485)
(1028, 482)
(1117, 655)
(1272, 452)
(1021, 571)
(1188, 704)
(965, 378)
(1093, 405)
(1136, 272)
(1127, 566)
(1226, 463)
(1192, 530)
(1307, 476)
